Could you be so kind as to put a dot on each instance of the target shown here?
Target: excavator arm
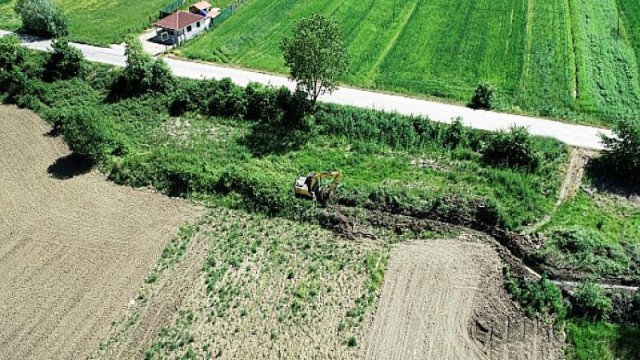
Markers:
(311, 186)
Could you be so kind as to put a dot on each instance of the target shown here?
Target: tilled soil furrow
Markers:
(73, 251)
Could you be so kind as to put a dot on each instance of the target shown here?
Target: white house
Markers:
(182, 25)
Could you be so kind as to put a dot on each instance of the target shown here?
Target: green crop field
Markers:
(559, 58)
(607, 66)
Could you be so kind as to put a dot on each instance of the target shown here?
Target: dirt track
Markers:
(74, 248)
(444, 300)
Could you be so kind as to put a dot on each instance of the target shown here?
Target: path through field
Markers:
(444, 299)
(74, 248)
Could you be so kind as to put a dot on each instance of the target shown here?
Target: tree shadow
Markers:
(607, 179)
(56, 130)
(70, 166)
(627, 345)
(266, 139)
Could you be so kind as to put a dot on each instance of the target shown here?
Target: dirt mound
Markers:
(74, 248)
(444, 300)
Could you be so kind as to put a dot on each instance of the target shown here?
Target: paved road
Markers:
(576, 135)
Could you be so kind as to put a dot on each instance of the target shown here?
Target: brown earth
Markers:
(445, 299)
(74, 248)
(287, 296)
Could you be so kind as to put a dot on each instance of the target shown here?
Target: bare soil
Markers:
(445, 299)
(74, 248)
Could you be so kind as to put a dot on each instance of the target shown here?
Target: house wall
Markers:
(195, 30)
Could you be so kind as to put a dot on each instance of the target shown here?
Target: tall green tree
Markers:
(622, 150)
(143, 72)
(42, 18)
(65, 62)
(316, 56)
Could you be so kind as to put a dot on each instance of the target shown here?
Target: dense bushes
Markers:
(591, 302)
(143, 72)
(42, 18)
(18, 69)
(580, 249)
(541, 296)
(513, 149)
(256, 102)
(65, 61)
(90, 134)
(126, 135)
(622, 151)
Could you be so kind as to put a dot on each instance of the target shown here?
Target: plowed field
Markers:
(74, 248)
(445, 300)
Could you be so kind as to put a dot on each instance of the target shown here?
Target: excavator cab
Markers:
(312, 187)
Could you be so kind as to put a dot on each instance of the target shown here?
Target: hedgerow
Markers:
(144, 138)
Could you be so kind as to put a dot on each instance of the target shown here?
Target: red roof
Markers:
(179, 20)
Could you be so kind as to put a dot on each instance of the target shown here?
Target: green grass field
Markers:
(544, 55)
(100, 22)
(602, 341)
(399, 45)
(595, 232)
(606, 62)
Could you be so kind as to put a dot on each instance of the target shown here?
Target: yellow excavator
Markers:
(312, 187)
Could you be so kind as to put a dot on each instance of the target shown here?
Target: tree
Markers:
(316, 56)
(512, 149)
(143, 72)
(65, 61)
(42, 18)
(14, 67)
(622, 151)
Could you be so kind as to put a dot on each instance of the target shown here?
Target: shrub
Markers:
(622, 151)
(455, 134)
(513, 149)
(591, 302)
(635, 310)
(541, 296)
(42, 18)
(579, 248)
(12, 53)
(65, 62)
(188, 96)
(162, 79)
(262, 103)
(89, 134)
(483, 97)
(226, 99)
(17, 68)
(261, 186)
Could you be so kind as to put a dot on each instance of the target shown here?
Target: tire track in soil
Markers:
(72, 252)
